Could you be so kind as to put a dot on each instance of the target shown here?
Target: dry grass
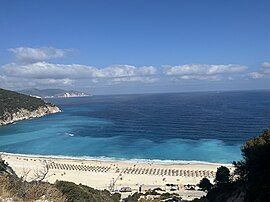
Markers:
(19, 190)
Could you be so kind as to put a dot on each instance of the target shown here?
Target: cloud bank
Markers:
(33, 68)
(203, 71)
(40, 70)
(264, 71)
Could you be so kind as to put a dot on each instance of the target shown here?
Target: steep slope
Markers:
(15, 106)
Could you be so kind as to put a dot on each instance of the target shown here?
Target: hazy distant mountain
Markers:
(53, 93)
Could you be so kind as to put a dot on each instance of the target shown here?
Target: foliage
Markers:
(225, 192)
(149, 200)
(138, 197)
(11, 102)
(2, 166)
(166, 196)
(151, 192)
(251, 180)
(19, 190)
(222, 175)
(74, 192)
(5, 168)
(205, 184)
(254, 169)
(133, 198)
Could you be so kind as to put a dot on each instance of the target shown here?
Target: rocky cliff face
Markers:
(53, 93)
(16, 106)
(71, 94)
(23, 114)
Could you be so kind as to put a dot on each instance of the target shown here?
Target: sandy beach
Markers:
(114, 175)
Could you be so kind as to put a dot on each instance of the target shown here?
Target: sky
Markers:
(119, 47)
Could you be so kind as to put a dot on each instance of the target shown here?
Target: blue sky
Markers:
(108, 47)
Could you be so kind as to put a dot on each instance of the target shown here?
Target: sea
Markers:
(171, 128)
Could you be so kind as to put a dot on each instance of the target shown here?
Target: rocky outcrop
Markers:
(71, 94)
(53, 93)
(22, 114)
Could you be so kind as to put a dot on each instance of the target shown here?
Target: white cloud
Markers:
(265, 68)
(263, 72)
(31, 69)
(255, 75)
(41, 72)
(202, 78)
(69, 74)
(266, 64)
(126, 71)
(28, 54)
(203, 71)
(17, 83)
(135, 79)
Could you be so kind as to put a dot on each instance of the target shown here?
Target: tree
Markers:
(254, 169)
(4, 167)
(222, 175)
(205, 184)
(251, 177)
(42, 173)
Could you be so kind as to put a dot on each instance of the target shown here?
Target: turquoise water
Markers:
(180, 127)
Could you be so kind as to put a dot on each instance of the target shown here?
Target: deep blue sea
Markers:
(208, 126)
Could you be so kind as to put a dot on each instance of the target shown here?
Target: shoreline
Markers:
(118, 160)
(113, 175)
(25, 114)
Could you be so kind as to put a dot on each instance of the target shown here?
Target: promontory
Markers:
(15, 107)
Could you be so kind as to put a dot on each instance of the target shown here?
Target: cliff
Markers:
(15, 107)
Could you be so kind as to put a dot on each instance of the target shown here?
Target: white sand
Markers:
(104, 174)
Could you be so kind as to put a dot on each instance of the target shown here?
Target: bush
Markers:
(74, 192)
(13, 187)
(205, 184)
(133, 198)
(222, 175)
(254, 169)
(251, 180)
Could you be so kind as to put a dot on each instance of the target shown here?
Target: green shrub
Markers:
(80, 193)
(205, 184)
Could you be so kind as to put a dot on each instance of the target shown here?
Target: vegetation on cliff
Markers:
(74, 192)
(17, 189)
(12, 102)
(251, 178)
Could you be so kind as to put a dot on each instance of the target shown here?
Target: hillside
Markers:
(15, 106)
(53, 93)
(14, 188)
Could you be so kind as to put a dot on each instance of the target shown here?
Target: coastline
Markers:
(112, 174)
(119, 160)
(24, 114)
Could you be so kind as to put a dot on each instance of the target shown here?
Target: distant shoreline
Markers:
(187, 92)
